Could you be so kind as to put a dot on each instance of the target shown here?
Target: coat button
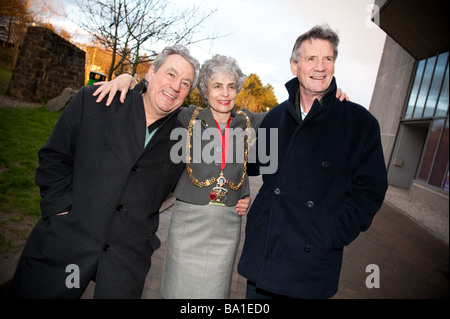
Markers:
(119, 208)
(326, 164)
(307, 249)
(277, 191)
(106, 247)
(135, 168)
(310, 204)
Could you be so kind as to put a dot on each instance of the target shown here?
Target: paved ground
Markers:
(413, 263)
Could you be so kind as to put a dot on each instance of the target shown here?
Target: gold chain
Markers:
(212, 180)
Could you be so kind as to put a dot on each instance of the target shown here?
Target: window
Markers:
(434, 167)
(428, 101)
(436, 86)
(415, 89)
(429, 93)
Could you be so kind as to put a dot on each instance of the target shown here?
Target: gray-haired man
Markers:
(103, 175)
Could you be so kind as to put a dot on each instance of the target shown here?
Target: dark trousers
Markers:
(256, 293)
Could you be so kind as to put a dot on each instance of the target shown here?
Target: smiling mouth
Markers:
(224, 102)
(169, 95)
(318, 77)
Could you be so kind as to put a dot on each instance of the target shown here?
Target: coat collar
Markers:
(293, 86)
(207, 119)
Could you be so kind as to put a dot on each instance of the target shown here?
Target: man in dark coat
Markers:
(103, 175)
(330, 182)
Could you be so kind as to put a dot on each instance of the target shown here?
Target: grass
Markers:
(23, 131)
(5, 77)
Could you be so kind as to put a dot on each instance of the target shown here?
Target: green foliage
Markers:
(23, 131)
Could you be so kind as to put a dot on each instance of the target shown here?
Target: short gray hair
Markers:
(322, 32)
(219, 63)
(180, 50)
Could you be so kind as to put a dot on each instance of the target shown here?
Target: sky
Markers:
(263, 32)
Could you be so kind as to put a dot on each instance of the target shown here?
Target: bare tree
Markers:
(104, 20)
(131, 29)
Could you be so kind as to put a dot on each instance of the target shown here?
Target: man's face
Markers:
(170, 85)
(315, 67)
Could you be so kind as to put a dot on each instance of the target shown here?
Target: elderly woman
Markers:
(204, 231)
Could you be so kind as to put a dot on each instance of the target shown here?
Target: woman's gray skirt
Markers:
(201, 250)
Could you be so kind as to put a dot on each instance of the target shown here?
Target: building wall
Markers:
(47, 64)
(427, 205)
(390, 92)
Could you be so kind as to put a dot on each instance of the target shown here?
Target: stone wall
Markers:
(47, 64)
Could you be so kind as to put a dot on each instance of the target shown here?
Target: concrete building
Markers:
(410, 100)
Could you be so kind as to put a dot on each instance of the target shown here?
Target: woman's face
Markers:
(222, 94)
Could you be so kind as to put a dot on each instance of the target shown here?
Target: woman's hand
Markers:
(122, 83)
(243, 205)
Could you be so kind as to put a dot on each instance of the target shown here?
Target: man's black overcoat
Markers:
(95, 163)
(331, 181)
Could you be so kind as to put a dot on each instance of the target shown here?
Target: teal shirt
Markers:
(151, 130)
(148, 135)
